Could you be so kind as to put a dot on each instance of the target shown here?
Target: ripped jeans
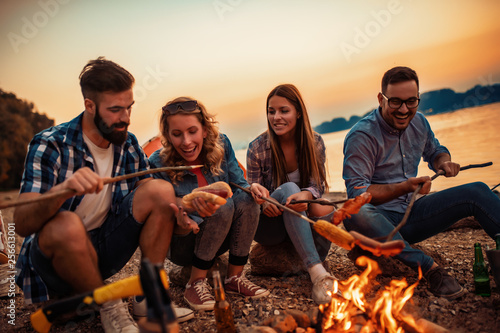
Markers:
(311, 247)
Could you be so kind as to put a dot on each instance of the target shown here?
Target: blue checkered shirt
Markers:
(54, 155)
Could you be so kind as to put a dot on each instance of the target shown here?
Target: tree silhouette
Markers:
(19, 122)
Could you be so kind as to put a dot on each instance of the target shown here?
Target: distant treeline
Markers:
(19, 122)
(432, 102)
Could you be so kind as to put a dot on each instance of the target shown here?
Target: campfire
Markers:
(353, 312)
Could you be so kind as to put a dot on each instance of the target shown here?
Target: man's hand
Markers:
(184, 224)
(414, 182)
(451, 169)
(83, 181)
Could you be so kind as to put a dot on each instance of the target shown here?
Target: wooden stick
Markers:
(419, 187)
(326, 229)
(323, 202)
(277, 204)
(494, 187)
(53, 195)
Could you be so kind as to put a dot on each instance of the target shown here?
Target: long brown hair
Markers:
(212, 151)
(307, 151)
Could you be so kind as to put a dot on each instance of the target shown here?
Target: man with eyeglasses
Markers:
(381, 156)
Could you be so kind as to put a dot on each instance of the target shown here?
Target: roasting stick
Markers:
(8, 204)
(419, 187)
(339, 236)
(322, 202)
(494, 187)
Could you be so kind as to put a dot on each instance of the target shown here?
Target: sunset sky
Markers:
(229, 54)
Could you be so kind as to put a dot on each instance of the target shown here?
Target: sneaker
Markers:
(442, 284)
(141, 310)
(116, 318)
(198, 295)
(321, 287)
(239, 284)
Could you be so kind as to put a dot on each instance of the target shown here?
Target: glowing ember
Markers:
(383, 314)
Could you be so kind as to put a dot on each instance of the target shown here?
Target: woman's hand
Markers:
(204, 208)
(299, 207)
(271, 210)
(259, 192)
(184, 224)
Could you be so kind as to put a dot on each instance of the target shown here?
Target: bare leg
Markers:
(233, 270)
(151, 207)
(196, 274)
(64, 240)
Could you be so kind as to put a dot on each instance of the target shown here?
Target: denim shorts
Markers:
(115, 241)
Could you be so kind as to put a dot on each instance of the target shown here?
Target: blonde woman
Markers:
(190, 137)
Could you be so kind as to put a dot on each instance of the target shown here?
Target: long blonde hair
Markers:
(212, 152)
(307, 151)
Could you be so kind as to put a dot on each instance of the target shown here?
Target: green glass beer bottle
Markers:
(481, 275)
(224, 320)
(497, 241)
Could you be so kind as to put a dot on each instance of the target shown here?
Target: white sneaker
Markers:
(141, 310)
(321, 287)
(116, 318)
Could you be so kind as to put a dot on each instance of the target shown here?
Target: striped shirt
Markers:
(53, 156)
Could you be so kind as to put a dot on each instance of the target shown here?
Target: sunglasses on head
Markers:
(187, 106)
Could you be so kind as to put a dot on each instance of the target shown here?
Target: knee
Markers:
(362, 218)
(65, 231)
(477, 192)
(246, 204)
(157, 192)
(477, 189)
(284, 191)
(154, 196)
(290, 188)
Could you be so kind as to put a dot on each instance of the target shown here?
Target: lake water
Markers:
(471, 135)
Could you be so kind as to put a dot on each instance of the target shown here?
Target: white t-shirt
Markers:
(294, 176)
(94, 208)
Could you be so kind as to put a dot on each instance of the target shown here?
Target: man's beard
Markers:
(108, 132)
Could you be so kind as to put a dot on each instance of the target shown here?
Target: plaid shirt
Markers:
(54, 155)
(260, 169)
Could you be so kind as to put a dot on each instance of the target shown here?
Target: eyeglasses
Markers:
(395, 103)
(187, 106)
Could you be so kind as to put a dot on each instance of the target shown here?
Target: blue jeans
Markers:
(430, 215)
(232, 228)
(311, 247)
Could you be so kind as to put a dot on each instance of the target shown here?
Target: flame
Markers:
(383, 314)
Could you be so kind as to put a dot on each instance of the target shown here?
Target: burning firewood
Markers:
(355, 312)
